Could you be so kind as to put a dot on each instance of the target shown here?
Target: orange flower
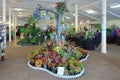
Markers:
(77, 69)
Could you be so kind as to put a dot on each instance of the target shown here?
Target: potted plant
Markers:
(74, 66)
(45, 62)
(76, 53)
(54, 67)
(38, 63)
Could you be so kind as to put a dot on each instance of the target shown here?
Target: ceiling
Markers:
(28, 7)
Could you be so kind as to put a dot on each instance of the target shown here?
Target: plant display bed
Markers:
(57, 75)
(62, 61)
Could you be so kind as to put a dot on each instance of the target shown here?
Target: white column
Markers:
(13, 23)
(4, 11)
(4, 17)
(76, 17)
(10, 24)
(104, 9)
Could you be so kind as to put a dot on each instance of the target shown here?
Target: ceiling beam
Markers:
(90, 16)
(110, 12)
(89, 5)
(113, 14)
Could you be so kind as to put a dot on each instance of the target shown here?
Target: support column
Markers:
(76, 17)
(10, 24)
(13, 23)
(3, 34)
(104, 9)
(15, 16)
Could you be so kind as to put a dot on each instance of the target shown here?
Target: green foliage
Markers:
(74, 66)
(76, 53)
(71, 30)
(32, 36)
(36, 52)
(31, 20)
(61, 7)
(59, 50)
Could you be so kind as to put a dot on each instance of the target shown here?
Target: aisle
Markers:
(98, 66)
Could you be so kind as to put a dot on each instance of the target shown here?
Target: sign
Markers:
(60, 71)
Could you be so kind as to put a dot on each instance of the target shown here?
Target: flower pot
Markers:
(45, 66)
(32, 62)
(38, 63)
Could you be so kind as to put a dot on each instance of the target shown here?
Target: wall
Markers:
(21, 21)
(111, 22)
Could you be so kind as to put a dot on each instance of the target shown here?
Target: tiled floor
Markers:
(98, 66)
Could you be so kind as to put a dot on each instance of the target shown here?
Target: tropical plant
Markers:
(32, 36)
(53, 56)
(76, 53)
(61, 7)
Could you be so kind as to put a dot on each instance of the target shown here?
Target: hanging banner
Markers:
(3, 37)
(37, 14)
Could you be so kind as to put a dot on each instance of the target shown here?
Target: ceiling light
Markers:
(91, 11)
(19, 24)
(81, 22)
(72, 24)
(115, 6)
(0, 21)
(73, 14)
(17, 9)
(12, 24)
(88, 21)
(67, 17)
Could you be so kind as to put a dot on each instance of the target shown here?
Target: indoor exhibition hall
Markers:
(60, 39)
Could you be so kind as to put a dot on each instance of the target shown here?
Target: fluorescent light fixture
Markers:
(115, 6)
(17, 9)
(19, 24)
(73, 14)
(12, 24)
(81, 22)
(88, 21)
(72, 24)
(90, 11)
(67, 17)
(0, 21)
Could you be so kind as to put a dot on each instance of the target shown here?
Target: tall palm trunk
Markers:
(59, 27)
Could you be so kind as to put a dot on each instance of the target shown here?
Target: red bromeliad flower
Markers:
(57, 59)
(53, 54)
